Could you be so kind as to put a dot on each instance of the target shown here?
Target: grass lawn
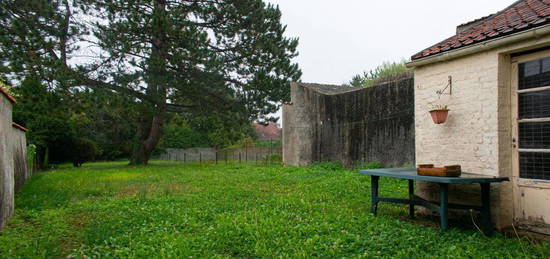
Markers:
(170, 209)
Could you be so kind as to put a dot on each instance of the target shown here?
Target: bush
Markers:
(274, 159)
(371, 165)
(267, 143)
(328, 166)
(386, 69)
(31, 156)
(179, 134)
(83, 150)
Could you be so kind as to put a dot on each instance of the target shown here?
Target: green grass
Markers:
(168, 210)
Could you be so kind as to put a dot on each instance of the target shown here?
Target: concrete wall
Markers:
(477, 134)
(350, 125)
(7, 181)
(19, 147)
(13, 159)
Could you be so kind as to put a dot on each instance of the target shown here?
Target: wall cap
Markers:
(7, 95)
(17, 126)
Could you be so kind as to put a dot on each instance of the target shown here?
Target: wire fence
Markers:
(211, 155)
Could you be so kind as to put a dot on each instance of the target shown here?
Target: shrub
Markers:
(370, 165)
(83, 150)
(274, 159)
(31, 156)
(328, 166)
(386, 69)
(267, 143)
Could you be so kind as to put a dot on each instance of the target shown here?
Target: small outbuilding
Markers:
(494, 76)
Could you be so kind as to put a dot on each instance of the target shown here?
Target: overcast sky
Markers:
(339, 39)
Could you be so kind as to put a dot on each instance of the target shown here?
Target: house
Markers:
(13, 157)
(494, 75)
(267, 132)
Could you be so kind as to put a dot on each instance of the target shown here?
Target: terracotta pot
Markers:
(439, 116)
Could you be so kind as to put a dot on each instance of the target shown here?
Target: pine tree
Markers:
(187, 56)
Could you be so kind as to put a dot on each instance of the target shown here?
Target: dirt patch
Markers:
(72, 240)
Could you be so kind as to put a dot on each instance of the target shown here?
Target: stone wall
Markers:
(13, 158)
(350, 125)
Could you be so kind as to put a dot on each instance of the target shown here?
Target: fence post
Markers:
(184, 157)
(226, 157)
(200, 158)
(239, 157)
(216, 157)
(256, 158)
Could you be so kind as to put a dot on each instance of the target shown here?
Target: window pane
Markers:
(534, 165)
(534, 135)
(546, 65)
(534, 74)
(534, 105)
(531, 68)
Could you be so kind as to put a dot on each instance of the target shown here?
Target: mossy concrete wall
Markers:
(13, 162)
(7, 181)
(350, 125)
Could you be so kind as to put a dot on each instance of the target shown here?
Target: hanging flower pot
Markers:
(439, 116)
(439, 113)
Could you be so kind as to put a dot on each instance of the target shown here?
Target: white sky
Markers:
(339, 39)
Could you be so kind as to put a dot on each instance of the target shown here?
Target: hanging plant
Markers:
(439, 113)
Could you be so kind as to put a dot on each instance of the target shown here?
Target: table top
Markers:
(410, 174)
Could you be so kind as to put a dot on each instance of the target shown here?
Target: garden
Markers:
(176, 210)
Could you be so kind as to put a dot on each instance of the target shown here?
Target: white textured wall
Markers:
(477, 134)
(469, 137)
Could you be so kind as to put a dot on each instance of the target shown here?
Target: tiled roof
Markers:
(267, 132)
(520, 16)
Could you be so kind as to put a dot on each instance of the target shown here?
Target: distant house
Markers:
(267, 132)
(494, 75)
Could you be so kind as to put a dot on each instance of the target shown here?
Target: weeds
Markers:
(176, 210)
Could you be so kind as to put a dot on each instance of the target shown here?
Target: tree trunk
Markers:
(147, 138)
(150, 128)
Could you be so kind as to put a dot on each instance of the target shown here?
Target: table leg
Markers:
(374, 194)
(411, 198)
(444, 206)
(486, 208)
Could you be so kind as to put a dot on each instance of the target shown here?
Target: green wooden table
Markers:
(443, 206)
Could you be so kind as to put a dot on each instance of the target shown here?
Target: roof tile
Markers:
(522, 15)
